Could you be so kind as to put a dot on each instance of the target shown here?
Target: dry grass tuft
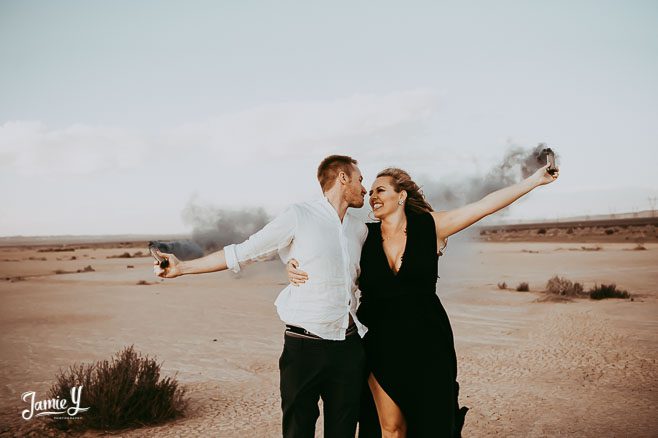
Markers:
(607, 291)
(562, 286)
(523, 287)
(125, 255)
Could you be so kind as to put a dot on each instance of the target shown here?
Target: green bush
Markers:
(124, 392)
(607, 291)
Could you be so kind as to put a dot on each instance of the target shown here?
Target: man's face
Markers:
(354, 191)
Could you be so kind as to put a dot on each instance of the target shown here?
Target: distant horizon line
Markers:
(149, 236)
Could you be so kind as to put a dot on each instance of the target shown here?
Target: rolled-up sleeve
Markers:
(273, 237)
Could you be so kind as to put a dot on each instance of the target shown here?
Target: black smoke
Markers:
(182, 249)
(517, 163)
(214, 227)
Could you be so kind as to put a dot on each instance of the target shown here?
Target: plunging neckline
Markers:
(404, 252)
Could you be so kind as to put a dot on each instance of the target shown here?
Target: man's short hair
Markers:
(331, 166)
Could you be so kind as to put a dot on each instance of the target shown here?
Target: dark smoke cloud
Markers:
(182, 249)
(214, 228)
(517, 164)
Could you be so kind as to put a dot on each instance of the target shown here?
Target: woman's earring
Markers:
(400, 202)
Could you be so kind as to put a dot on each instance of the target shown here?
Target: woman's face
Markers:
(383, 197)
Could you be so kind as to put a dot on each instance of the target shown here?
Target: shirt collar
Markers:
(331, 210)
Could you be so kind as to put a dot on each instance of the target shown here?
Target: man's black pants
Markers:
(314, 368)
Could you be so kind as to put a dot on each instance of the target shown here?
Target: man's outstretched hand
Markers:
(171, 271)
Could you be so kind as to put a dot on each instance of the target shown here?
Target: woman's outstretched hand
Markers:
(541, 176)
(295, 275)
(171, 271)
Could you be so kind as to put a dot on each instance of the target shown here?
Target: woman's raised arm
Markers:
(452, 221)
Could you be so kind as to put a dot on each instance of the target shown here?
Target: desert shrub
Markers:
(562, 286)
(639, 247)
(125, 255)
(609, 231)
(541, 231)
(523, 287)
(570, 230)
(122, 392)
(502, 285)
(607, 291)
(56, 250)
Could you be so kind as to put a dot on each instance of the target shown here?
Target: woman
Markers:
(409, 344)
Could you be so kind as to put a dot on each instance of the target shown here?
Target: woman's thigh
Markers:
(390, 415)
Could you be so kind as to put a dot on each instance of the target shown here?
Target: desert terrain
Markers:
(528, 366)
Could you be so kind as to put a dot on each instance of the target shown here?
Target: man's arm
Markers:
(211, 263)
(275, 235)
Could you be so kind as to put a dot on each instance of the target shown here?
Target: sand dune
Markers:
(527, 368)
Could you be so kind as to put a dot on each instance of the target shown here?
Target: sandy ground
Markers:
(528, 368)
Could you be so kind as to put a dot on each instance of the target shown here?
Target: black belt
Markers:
(301, 332)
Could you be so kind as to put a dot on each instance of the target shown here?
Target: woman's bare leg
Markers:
(391, 419)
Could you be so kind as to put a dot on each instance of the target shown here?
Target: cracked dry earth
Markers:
(529, 367)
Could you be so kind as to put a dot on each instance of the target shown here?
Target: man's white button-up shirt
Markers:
(328, 250)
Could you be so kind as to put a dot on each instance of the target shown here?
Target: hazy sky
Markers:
(116, 115)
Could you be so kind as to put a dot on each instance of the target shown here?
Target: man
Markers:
(322, 354)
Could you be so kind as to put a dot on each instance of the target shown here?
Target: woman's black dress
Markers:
(409, 345)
